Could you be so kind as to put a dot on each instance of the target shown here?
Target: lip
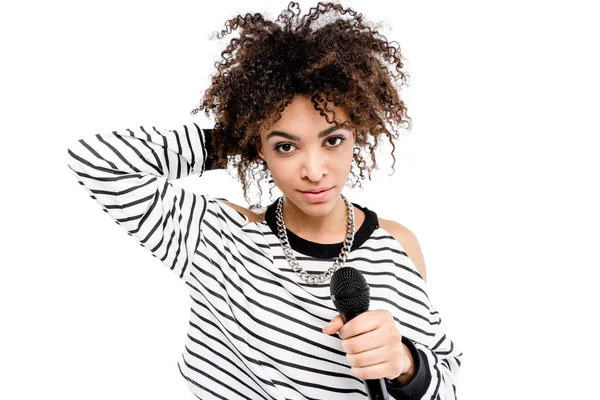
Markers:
(322, 189)
(319, 197)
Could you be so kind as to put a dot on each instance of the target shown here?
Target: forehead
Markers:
(301, 113)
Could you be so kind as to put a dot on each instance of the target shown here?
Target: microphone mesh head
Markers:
(349, 290)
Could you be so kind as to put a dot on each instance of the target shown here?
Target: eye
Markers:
(278, 148)
(336, 137)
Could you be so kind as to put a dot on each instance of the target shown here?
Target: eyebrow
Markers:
(296, 138)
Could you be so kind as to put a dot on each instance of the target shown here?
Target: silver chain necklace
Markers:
(339, 262)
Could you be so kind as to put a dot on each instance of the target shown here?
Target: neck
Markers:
(332, 224)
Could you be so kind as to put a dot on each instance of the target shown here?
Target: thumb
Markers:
(334, 325)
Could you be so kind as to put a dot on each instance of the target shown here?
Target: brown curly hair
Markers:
(343, 62)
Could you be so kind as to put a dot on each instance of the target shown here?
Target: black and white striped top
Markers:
(254, 326)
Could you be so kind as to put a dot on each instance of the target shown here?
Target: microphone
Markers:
(350, 295)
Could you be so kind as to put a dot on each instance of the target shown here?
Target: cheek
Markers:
(281, 174)
(348, 159)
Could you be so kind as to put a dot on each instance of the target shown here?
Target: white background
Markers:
(498, 180)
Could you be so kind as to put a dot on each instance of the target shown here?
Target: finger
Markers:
(365, 341)
(376, 371)
(336, 323)
(370, 357)
(364, 322)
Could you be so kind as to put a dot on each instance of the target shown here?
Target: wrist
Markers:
(408, 363)
(416, 377)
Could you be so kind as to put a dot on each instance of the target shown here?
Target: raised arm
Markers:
(128, 173)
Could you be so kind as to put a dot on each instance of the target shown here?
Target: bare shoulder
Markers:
(409, 242)
(252, 216)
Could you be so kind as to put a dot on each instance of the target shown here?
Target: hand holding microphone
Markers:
(370, 338)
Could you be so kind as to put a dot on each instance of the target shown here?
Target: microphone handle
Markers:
(376, 389)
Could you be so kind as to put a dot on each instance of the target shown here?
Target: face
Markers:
(304, 152)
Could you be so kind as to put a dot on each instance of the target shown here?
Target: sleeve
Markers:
(436, 367)
(128, 172)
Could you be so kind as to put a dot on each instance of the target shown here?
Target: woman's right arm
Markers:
(128, 173)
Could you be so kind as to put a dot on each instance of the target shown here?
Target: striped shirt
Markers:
(254, 325)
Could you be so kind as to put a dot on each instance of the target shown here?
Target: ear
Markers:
(258, 149)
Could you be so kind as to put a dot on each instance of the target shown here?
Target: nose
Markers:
(313, 167)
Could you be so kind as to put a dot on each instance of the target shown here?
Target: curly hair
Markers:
(343, 62)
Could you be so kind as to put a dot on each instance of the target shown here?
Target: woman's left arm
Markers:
(436, 367)
(435, 372)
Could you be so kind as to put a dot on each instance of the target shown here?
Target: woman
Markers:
(299, 103)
